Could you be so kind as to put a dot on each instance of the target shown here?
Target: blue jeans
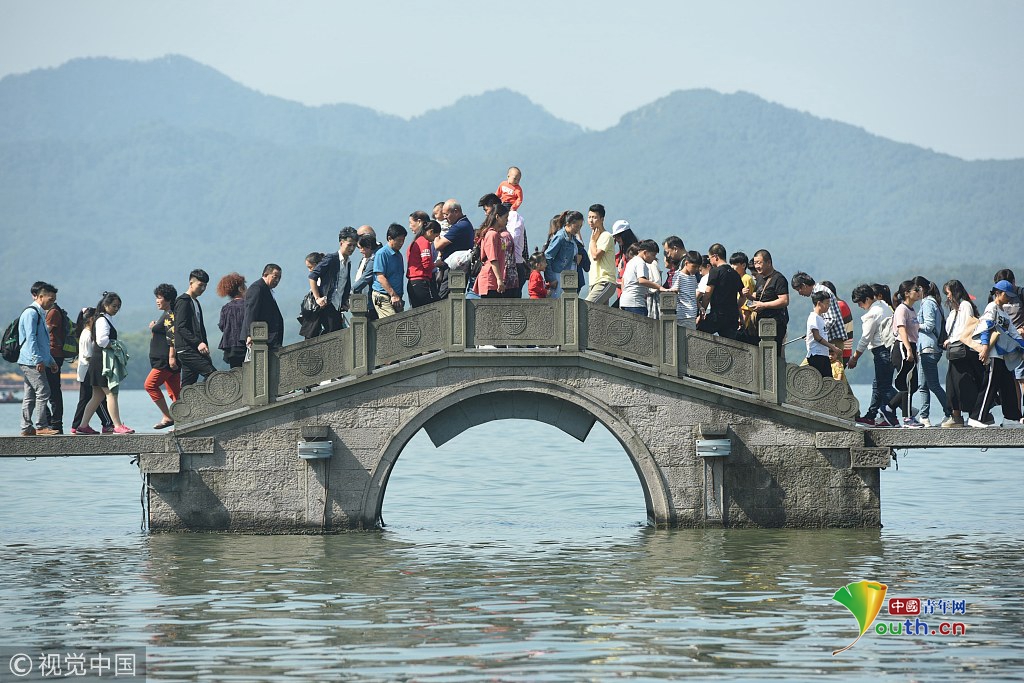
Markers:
(639, 310)
(882, 389)
(930, 383)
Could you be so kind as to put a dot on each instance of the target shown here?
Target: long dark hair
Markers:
(107, 299)
(85, 318)
(626, 239)
(905, 288)
(561, 220)
(957, 295)
(492, 219)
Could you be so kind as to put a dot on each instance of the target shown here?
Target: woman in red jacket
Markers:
(422, 260)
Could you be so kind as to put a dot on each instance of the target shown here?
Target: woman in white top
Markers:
(85, 349)
(1000, 341)
(103, 332)
(965, 372)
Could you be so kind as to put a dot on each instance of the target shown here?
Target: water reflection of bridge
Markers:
(719, 432)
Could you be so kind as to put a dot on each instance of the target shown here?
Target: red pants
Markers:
(157, 377)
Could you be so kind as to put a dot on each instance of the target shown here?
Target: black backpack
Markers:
(10, 343)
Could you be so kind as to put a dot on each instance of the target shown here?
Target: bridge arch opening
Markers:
(516, 406)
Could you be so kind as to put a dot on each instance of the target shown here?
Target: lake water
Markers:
(531, 565)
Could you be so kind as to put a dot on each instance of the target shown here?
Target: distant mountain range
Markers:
(118, 175)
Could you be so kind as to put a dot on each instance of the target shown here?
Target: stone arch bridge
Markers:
(304, 438)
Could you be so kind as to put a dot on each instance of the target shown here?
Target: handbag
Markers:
(309, 305)
(967, 337)
(957, 351)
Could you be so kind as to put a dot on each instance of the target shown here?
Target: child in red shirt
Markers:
(510, 191)
(538, 287)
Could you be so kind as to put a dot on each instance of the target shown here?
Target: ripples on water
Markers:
(515, 554)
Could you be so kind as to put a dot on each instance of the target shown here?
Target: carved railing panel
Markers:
(805, 387)
(622, 334)
(721, 360)
(516, 322)
(409, 334)
(312, 361)
(220, 393)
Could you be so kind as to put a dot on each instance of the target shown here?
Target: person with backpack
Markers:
(876, 336)
(34, 358)
(930, 344)
(61, 332)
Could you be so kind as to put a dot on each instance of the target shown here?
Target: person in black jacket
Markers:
(333, 274)
(260, 306)
(190, 342)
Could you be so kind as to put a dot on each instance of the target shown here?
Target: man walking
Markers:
(191, 346)
(334, 273)
(835, 329)
(388, 271)
(723, 295)
(261, 307)
(602, 258)
(57, 324)
(34, 359)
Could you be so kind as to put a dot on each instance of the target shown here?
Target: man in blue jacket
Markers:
(34, 359)
(331, 281)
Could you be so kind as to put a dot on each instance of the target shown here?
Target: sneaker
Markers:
(889, 416)
(85, 429)
(108, 429)
(123, 429)
(46, 431)
(971, 422)
(870, 421)
(925, 422)
(950, 422)
(911, 423)
(31, 431)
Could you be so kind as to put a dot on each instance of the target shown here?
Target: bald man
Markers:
(458, 237)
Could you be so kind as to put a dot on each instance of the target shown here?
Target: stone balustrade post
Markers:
(772, 378)
(362, 361)
(455, 338)
(570, 310)
(256, 372)
(669, 335)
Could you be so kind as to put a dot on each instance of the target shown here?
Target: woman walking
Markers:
(105, 335)
(421, 261)
(999, 340)
(490, 283)
(932, 331)
(904, 355)
(85, 350)
(232, 339)
(965, 372)
(164, 366)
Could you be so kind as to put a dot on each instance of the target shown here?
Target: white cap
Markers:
(619, 227)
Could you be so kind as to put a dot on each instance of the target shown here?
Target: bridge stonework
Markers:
(719, 432)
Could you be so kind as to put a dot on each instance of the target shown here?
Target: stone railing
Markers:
(563, 325)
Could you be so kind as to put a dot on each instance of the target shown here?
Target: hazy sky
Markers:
(940, 74)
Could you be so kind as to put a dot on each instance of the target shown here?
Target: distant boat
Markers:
(11, 382)
(9, 397)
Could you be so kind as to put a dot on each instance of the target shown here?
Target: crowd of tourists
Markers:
(723, 294)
